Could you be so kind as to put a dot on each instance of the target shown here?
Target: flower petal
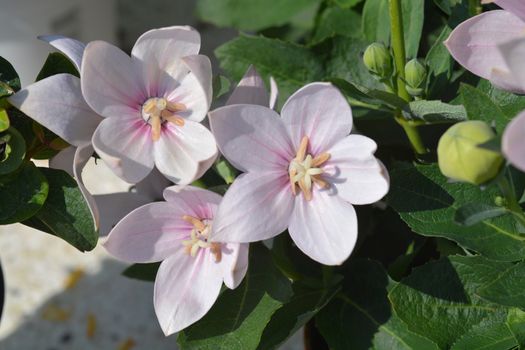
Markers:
(194, 201)
(234, 263)
(319, 111)
(180, 150)
(166, 44)
(63, 160)
(82, 155)
(513, 52)
(257, 206)
(148, 234)
(126, 146)
(324, 228)
(185, 289)
(517, 7)
(274, 93)
(57, 103)
(111, 82)
(474, 44)
(252, 137)
(358, 177)
(513, 142)
(72, 48)
(250, 90)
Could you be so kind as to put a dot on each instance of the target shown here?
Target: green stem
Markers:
(398, 47)
(511, 201)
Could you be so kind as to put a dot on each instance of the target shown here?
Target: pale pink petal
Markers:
(250, 90)
(324, 228)
(148, 234)
(167, 44)
(73, 49)
(193, 201)
(252, 137)
(513, 142)
(319, 111)
(63, 160)
(274, 93)
(185, 289)
(355, 174)
(513, 52)
(234, 263)
(474, 44)
(516, 7)
(111, 81)
(57, 103)
(189, 83)
(126, 146)
(82, 155)
(180, 150)
(257, 206)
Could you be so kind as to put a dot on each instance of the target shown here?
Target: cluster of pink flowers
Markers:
(302, 170)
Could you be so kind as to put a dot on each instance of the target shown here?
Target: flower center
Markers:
(305, 170)
(199, 238)
(157, 110)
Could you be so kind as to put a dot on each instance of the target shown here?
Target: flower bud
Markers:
(461, 158)
(378, 60)
(415, 77)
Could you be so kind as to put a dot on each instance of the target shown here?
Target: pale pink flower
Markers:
(152, 104)
(302, 172)
(194, 266)
(474, 43)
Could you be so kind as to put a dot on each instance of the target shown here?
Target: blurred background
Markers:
(56, 297)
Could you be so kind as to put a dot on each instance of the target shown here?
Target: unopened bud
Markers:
(415, 77)
(461, 158)
(378, 60)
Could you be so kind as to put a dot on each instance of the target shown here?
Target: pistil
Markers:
(199, 238)
(157, 110)
(305, 170)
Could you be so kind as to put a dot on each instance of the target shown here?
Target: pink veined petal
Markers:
(513, 52)
(513, 142)
(257, 206)
(115, 206)
(274, 93)
(185, 289)
(194, 201)
(234, 263)
(474, 44)
(125, 145)
(150, 233)
(73, 49)
(111, 82)
(181, 150)
(324, 228)
(353, 171)
(250, 90)
(167, 44)
(516, 7)
(82, 155)
(189, 83)
(319, 111)
(57, 103)
(252, 138)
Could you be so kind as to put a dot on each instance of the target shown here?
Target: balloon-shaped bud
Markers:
(415, 77)
(378, 60)
(461, 158)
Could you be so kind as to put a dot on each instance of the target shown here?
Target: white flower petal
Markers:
(250, 90)
(72, 48)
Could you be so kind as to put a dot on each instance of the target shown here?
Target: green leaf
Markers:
(225, 170)
(479, 106)
(4, 120)
(65, 213)
(439, 63)
(9, 80)
(23, 193)
(370, 96)
(335, 21)
(142, 272)
(361, 317)
(507, 288)
(347, 3)
(427, 202)
(376, 21)
(57, 63)
(251, 15)
(511, 104)
(473, 213)
(14, 151)
(516, 323)
(221, 86)
(413, 18)
(435, 111)
(239, 316)
(438, 300)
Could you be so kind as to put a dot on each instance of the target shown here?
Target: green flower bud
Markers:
(460, 158)
(415, 77)
(378, 60)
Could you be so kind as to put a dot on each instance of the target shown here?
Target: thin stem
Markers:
(413, 134)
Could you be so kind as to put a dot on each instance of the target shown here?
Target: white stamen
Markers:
(156, 111)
